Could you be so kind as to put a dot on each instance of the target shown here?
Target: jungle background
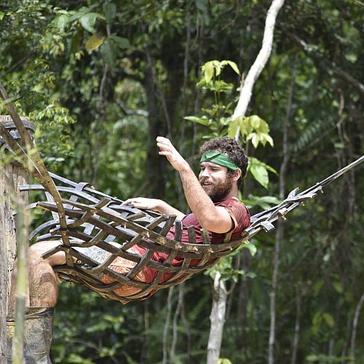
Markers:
(101, 79)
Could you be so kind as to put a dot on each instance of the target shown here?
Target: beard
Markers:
(217, 192)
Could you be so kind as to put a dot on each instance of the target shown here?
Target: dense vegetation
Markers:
(101, 79)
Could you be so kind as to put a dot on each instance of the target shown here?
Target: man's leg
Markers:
(42, 297)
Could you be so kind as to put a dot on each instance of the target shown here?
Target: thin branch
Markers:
(260, 62)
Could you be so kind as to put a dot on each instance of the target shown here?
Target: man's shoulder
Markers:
(231, 201)
(238, 211)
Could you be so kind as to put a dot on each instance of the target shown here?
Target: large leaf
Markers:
(259, 171)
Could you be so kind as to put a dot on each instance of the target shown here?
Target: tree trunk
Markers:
(280, 227)
(355, 327)
(219, 292)
(297, 328)
(217, 319)
(11, 176)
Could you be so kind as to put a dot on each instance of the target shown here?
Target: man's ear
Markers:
(237, 174)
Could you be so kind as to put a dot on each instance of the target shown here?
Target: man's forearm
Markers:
(164, 208)
(197, 199)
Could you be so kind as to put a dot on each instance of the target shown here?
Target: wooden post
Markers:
(11, 176)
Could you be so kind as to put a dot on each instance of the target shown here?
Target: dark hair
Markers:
(230, 147)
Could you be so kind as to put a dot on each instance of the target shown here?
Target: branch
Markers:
(260, 62)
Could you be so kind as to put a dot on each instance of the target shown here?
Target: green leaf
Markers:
(208, 71)
(232, 64)
(255, 121)
(61, 22)
(267, 138)
(259, 171)
(88, 21)
(233, 127)
(251, 247)
(224, 361)
(264, 202)
(328, 319)
(110, 12)
(108, 53)
(203, 120)
(120, 42)
(254, 138)
(2, 15)
(94, 42)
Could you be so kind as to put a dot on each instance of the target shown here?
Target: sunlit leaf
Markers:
(208, 71)
(251, 247)
(259, 171)
(203, 120)
(94, 42)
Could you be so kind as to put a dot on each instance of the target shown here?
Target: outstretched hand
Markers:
(167, 149)
(144, 203)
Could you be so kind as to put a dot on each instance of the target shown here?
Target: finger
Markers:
(165, 148)
(164, 141)
(161, 139)
(166, 154)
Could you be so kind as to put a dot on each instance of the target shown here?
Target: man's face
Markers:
(215, 181)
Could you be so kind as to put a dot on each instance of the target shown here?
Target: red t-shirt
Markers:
(239, 215)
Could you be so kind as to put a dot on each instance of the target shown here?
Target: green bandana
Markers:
(214, 156)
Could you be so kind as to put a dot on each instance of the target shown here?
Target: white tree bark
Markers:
(260, 62)
(354, 328)
(217, 319)
(217, 316)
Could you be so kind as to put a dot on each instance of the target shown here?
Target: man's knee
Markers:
(37, 251)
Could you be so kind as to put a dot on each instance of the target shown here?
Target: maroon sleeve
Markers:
(239, 214)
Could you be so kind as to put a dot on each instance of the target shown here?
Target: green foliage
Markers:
(251, 128)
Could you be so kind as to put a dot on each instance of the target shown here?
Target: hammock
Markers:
(81, 217)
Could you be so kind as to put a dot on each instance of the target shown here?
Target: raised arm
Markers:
(213, 218)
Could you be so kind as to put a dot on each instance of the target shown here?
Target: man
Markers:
(212, 198)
